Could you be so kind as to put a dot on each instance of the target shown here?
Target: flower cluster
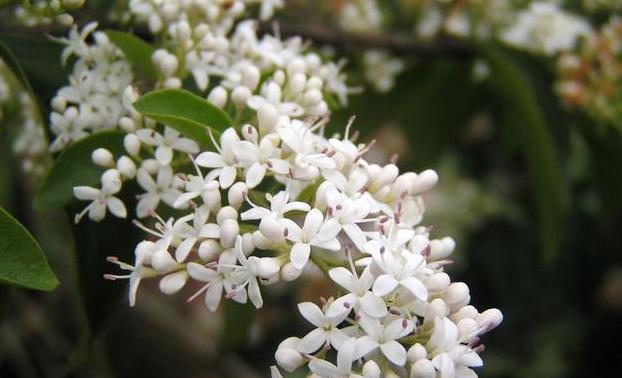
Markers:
(546, 29)
(276, 197)
(44, 12)
(590, 79)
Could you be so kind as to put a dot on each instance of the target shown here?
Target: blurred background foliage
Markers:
(530, 189)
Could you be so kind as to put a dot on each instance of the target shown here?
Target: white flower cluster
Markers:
(45, 12)
(546, 29)
(276, 197)
(91, 102)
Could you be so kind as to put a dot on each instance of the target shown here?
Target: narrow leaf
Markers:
(22, 262)
(535, 143)
(189, 114)
(74, 167)
(137, 51)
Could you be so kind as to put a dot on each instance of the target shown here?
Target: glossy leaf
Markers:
(185, 112)
(22, 262)
(74, 167)
(137, 51)
(535, 141)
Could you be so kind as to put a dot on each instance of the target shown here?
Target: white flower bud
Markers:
(172, 283)
(236, 194)
(438, 282)
(261, 241)
(172, 83)
(466, 312)
(416, 353)
(489, 319)
(209, 250)
(59, 103)
(388, 174)
(278, 78)
(227, 212)
(312, 97)
(250, 77)
(249, 133)
(425, 181)
(168, 65)
(423, 369)
(218, 97)
(111, 181)
(467, 328)
(229, 231)
(162, 261)
(264, 267)
(127, 124)
(440, 249)
(64, 19)
(126, 166)
(267, 117)
(287, 355)
(296, 66)
(271, 229)
(102, 157)
(315, 82)
(131, 144)
(240, 96)
(403, 184)
(297, 84)
(290, 273)
(371, 370)
(248, 246)
(456, 293)
(435, 309)
(313, 61)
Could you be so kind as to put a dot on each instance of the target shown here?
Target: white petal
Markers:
(146, 204)
(213, 295)
(341, 306)
(210, 160)
(416, 287)
(312, 313)
(356, 235)
(343, 277)
(324, 368)
(313, 222)
(201, 273)
(164, 155)
(299, 255)
(384, 284)
(373, 305)
(365, 345)
(184, 248)
(227, 176)
(255, 175)
(312, 341)
(116, 207)
(172, 283)
(394, 351)
(254, 293)
(86, 193)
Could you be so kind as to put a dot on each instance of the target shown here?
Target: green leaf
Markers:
(74, 167)
(528, 125)
(22, 262)
(11, 61)
(185, 112)
(137, 51)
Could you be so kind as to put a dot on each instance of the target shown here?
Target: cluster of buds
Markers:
(590, 79)
(44, 12)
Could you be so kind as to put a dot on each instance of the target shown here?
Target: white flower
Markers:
(384, 336)
(343, 369)
(326, 332)
(451, 357)
(222, 162)
(167, 143)
(271, 225)
(359, 298)
(160, 189)
(257, 159)
(102, 199)
(315, 232)
(399, 271)
(144, 251)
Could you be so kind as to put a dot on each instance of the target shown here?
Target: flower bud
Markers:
(151, 166)
(229, 231)
(290, 273)
(236, 194)
(438, 282)
(127, 124)
(209, 249)
(240, 96)
(218, 97)
(172, 83)
(467, 328)
(267, 117)
(423, 369)
(456, 293)
(296, 66)
(315, 82)
(371, 370)
(312, 97)
(416, 353)
(466, 312)
(261, 241)
(489, 319)
(102, 157)
(250, 77)
(435, 309)
(287, 355)
(440, 249)
(297, 83)
(264, 267)
(59, 103)
(425, 181)
(172, 283)
(131, 144)
(111, 181)
(225, 213)
(162, 261)
(126, 166)
(271, 229)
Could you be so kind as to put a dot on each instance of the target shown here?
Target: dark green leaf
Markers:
(22, 262)
(73, 168)
(137, 51)
(11, 61)
(187, 113)
(535, 141)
